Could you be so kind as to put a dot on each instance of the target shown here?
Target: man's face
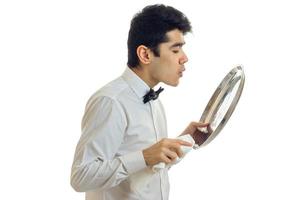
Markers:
(169, 66)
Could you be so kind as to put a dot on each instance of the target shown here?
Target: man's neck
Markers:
(145, 76)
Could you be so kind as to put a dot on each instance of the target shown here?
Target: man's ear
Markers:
(144, 54)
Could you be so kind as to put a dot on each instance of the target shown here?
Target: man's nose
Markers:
(183, 59)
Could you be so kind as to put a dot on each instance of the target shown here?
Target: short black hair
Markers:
(149, 28)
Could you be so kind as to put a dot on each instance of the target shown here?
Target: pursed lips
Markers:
(181, 71)
(180, 74)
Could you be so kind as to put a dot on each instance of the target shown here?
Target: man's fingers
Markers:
(166, 159)
(200, 124)
(177, 146)
(181, 142)
(202, 127)
(185, 143)
(175, 143)
(171, 154)
(178, 151)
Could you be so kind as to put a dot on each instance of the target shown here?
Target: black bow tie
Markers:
(152, 95)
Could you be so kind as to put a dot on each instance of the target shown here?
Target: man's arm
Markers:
(95, 165)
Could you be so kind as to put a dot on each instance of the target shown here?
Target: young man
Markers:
(124, 126)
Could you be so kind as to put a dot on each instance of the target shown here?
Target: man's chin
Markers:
(176, 84)
(173, 84)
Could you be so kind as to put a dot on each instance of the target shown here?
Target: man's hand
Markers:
(166, 150)
(198, 135)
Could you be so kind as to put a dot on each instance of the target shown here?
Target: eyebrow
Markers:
(177, 44)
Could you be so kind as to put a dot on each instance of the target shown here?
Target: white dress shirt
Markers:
(116, 127)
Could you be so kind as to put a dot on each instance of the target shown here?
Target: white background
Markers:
(55, 54)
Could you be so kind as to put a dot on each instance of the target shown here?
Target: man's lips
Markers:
(181, 71)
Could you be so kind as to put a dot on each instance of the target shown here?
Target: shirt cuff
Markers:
(133, 162)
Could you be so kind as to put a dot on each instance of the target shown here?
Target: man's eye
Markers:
(175, 51)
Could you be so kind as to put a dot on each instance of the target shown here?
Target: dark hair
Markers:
(149, 28)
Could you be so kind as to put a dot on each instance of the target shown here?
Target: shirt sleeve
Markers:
(95, 163)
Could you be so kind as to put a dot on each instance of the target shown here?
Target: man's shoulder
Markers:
(112, 89)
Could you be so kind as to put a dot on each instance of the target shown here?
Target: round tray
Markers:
(221, 105)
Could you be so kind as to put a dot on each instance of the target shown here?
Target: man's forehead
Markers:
(175, 38)
(175, 43)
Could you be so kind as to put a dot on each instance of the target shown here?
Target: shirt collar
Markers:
(135, 82)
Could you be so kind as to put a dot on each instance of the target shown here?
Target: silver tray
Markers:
(220, 106)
